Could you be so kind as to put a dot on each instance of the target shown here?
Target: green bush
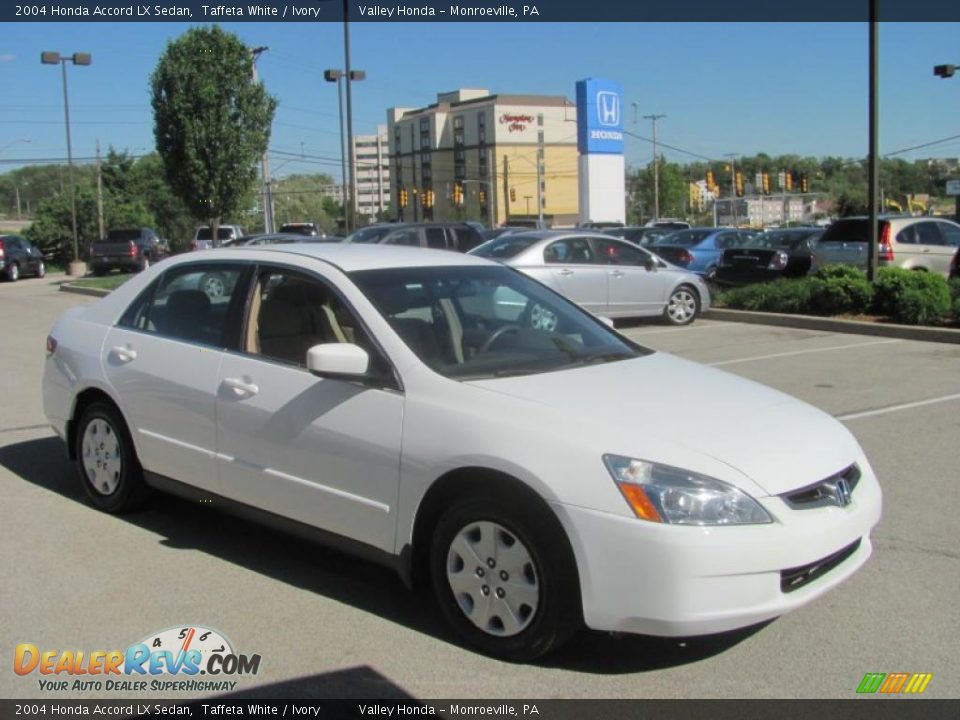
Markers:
(786, 296)
(956, 309)
(838, 289)
(912, 297)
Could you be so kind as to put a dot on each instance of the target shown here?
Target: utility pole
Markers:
(101, 234)
(733, 187)
(348, 215)
(506, 189)
(491, 190)
(656, 167)
(873, 166)
(267, 193)
(540, 181)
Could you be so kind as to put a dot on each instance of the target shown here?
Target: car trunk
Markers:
(672, 254)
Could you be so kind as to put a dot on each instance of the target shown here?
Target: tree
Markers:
(211, 122)
(299, 198)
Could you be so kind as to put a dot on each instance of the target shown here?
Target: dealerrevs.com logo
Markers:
(187, 658)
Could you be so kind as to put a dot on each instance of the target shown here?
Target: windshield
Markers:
(505, 246)
(470, 322)
(683, 238)
(370, 234)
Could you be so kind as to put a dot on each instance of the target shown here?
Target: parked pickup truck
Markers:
(130, 249)
(226, 235)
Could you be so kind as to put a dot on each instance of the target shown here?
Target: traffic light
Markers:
(710, 182)
(404, 197)
(766, 183)
(788, 179)
(483, 196)
(458, 194)
(739, 183)
(513, 194)
(428, 198)
(804, 184)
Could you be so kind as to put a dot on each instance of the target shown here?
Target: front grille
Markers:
(836, 490)
(795, 578)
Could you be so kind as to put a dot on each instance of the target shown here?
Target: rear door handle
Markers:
(123, 354)
(617, 273)
(241, 387)
(565, 272)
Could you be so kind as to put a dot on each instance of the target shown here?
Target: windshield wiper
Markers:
(601, 357)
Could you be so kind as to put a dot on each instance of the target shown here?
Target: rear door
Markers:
(935, 252)
(163, 359)
(577, 273)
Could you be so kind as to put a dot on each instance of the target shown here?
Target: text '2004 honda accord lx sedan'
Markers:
(467, 425)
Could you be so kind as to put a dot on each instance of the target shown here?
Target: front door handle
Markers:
(565, 272)
(617, 273)
(123, 354)
(241, 387)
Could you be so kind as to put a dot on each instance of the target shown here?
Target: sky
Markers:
(737, 88)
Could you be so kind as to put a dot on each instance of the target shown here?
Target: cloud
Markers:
(7, 57)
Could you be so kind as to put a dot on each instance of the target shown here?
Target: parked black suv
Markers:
(443, 235)
(19, 257)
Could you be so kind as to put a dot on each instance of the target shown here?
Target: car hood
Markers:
(777, 441)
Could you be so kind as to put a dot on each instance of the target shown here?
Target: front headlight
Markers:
(666, 494)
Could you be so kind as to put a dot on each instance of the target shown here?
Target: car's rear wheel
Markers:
(106, 460)
(13, 272)
(504, 577)
(683, 306)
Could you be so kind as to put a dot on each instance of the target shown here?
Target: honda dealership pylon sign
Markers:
(600, 143)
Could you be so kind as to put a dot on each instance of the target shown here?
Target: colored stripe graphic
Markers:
(893, 683)
(871, 682)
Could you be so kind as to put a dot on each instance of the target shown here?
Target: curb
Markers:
(855, 327)
(71, 288)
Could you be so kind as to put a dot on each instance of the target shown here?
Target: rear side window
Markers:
(570, 251)
(190, 303)
(465, 238)
(436, 238)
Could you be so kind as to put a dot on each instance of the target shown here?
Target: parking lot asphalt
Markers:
(327, 625)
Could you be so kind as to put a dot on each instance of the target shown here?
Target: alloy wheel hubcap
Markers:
(493, 578)
(213, 287)
(682, 306)
(101, 456)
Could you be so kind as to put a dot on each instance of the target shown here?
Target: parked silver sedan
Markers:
(603, 274)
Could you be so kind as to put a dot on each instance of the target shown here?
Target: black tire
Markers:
(125, 490)
(41, 269)
(13, 272)
(558, 613)
(683, 306)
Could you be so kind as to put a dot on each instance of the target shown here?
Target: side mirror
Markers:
(344, 360)
(606, 321)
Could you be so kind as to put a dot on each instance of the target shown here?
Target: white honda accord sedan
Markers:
(455, 419)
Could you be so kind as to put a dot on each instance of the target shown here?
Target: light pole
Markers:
(943, 72)
(53, 58)
(656, 167)
(336, 76)
(269, 225)
(733, 187)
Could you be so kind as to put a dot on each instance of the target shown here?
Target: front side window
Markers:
(191, 303)
(620, 253)
(291, 312)
(407, 236)
(469, 322)
(928, 234)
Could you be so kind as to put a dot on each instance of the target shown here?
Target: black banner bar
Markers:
(872, 708)
(401, 11)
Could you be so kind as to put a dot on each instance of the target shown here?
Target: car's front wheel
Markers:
(505, 578)
(683, 306)
(13, 272)
(41, 269)
(106, 460)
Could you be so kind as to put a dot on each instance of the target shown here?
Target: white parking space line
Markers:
(680, 329)
(803, 352)
(896, 408)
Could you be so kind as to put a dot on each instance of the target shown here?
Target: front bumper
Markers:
(653, 579)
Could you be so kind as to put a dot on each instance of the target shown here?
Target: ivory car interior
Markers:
(454, 418)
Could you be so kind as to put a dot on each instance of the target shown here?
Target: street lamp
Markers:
(53, 58)
(336, 76)
(944, 71)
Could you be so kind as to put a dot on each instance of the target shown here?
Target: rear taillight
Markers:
(1, 249)
(133, 249)
(685, 257)
(778, 261)
(886, 249)
(51, 344)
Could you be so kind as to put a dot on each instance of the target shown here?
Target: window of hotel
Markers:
(481, 128)
(540, 119)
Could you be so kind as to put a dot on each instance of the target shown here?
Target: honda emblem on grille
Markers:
(841, 492)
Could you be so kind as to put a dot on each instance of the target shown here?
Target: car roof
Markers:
(351, 257)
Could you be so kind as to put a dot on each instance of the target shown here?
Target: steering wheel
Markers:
(496, 335)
